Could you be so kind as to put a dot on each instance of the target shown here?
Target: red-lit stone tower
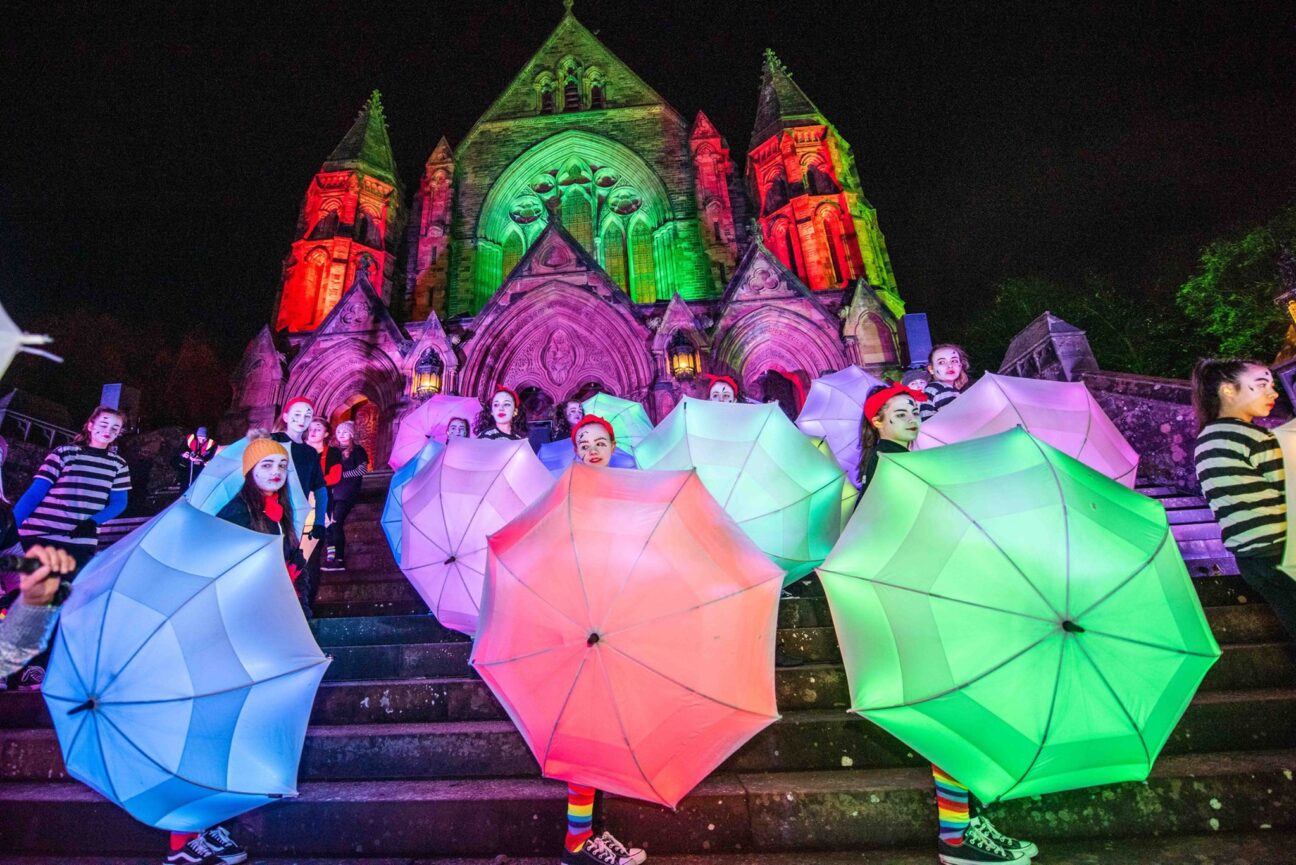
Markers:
(429, 235)
(801, 175)
(723, 231)
(350, 220)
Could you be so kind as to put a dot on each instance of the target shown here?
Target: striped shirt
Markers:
(938, 396)
(81, 479)
(1240, 468)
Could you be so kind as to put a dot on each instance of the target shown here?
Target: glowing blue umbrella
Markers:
(393, 514)
(182, 678)
(556, 456)
(222, 479)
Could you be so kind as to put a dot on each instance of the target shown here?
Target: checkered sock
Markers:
(952, 803)
(580, 817)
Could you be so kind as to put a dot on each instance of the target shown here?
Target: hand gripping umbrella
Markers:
(1060, 413)
(1015, 617)
(770, 478)
(393, 514)
(628, 629)
(470, 490)
(833, 410)
(429, 421)
(182, 677)
(223, 477)
(557, 456)
(628, 418)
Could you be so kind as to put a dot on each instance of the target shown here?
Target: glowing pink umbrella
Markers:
(471, 489)
(628, 628)
(429, 421)
(1061, 413)
(833, 410)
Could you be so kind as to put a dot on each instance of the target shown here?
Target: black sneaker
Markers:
(195, 852)
(626, 855)
(224, 846)
(595, 852)
(1012, 845)
(977, 849)
(31, 679)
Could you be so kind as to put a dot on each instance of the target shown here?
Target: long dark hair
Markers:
(562, 427)
(255, 500)
(868, 434)
(1207, 377)
(964, 379)
(486, 421)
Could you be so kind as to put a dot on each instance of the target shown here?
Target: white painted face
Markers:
(946, 366)
(297, 419)
(1251, 397)
(457, 429)
(316, 433)
(593, 445)
(898, 421)
(271, 473)
(503, 408)
(105, 429)
(721, 392)
(573, 412)
(345, 434)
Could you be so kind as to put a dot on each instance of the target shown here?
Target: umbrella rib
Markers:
(571, 532)
(579, 627)
(1066, 517)
(927, 594)
(797, 501)
(102, 751)
(706, 603)
(428, 537)
(1048, 726)
(1129, 579)
(103, 623)
(978, 527)
(747, 457)
(1128, 717)
(228, 690)
(996, 668)
(562, 711)
(625, 737)
(1148, 645)
(685, 687)
(648, 539)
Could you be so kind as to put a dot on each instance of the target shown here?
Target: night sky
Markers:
(152, 165)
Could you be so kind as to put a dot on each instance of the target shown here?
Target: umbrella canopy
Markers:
(1061, 413)
(13, 340)
(429, 421)
(471, 489)
(628, 418)
(833, 411)
(628, 628)
(182, 677)
(770, 478)
(223, 477)
(393, 515)
(1286, 435)
(557, 456)
(1020, 620)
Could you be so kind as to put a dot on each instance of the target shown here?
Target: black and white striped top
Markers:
(81, 478)
(938, 396)
(1240, 467)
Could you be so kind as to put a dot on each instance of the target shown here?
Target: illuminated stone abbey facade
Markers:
(583, 235)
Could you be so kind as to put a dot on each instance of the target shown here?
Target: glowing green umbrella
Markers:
(788, 496)
(1019, 619)
(628, 418)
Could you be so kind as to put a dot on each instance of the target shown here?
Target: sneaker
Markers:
(330, 554)
(331, 566)
(31, 679)
(224, 846)
(627, 855)
(595, 852)
(1012, 845)
(976, 849)
(195, 852)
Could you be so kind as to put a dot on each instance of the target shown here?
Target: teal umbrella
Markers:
(629, 420)
(1019, 619)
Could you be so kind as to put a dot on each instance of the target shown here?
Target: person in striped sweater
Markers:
(948, 366)
(1240, 468)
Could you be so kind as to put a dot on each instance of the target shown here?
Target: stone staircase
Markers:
(410, 758)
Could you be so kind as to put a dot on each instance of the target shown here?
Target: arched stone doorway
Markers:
(354, 381)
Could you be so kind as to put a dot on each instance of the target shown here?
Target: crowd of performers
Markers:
(81, 485)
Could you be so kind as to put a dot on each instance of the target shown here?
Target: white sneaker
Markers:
(1012, 845)
(627, 855)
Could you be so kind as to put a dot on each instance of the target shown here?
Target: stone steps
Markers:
(729, 812)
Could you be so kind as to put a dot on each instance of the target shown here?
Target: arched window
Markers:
(713, 221)
(316, 265)
(776, 195)
(819, 182)
(785, 247)
(544, 87)
(596, 97)
(577, 217)
(830, 234)
(643, 270)
(612, 247)
(547, 101)
(571, 95)
(595, 88)
(514, 246)
(326, 227)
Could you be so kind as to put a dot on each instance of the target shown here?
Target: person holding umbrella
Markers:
(948, 366)
(502, 418)
(354, 466)
(892, 417)
(296, 418)
(27, 626)
(723, 389)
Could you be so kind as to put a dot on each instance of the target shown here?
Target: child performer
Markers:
(1241, 471)
(567, 416)
(503, 418)
(594, 441)
(723, 389)
(948, 366)
(891, 421)
(297, 415)
(457, 428)
(343, 496)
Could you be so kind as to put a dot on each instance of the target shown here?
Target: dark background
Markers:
(152, 162)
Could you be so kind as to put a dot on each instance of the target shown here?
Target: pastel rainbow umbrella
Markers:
(833, 411)
(1062, 413)
(1019, 619)
(628, 629)
(223, 478)
(629, 420)
(182, 678)
(770, 478)
(471, 489)
(429, 421)
(393, 513)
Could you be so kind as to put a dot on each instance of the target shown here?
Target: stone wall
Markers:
(1156, 416)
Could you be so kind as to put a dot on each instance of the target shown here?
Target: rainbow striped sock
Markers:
(952, 804)
(580, 817)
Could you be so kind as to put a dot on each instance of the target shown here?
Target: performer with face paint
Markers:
(296, 418)
(342, 497)
(567, 415)
(947, 364)
(890, 424)
(594, 441)
(502, 417)
(723, 389)
(457, 428)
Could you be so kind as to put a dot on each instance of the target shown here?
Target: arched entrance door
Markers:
(776, 387)
(367, 417)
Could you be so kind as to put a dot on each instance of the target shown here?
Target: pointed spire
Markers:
(442, 153)
(567, 7)
(703, 127)
(366, 145)
(782, 102)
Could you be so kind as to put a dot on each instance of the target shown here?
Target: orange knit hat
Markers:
(260, 447)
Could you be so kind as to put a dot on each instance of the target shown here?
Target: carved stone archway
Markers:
(347, 369)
